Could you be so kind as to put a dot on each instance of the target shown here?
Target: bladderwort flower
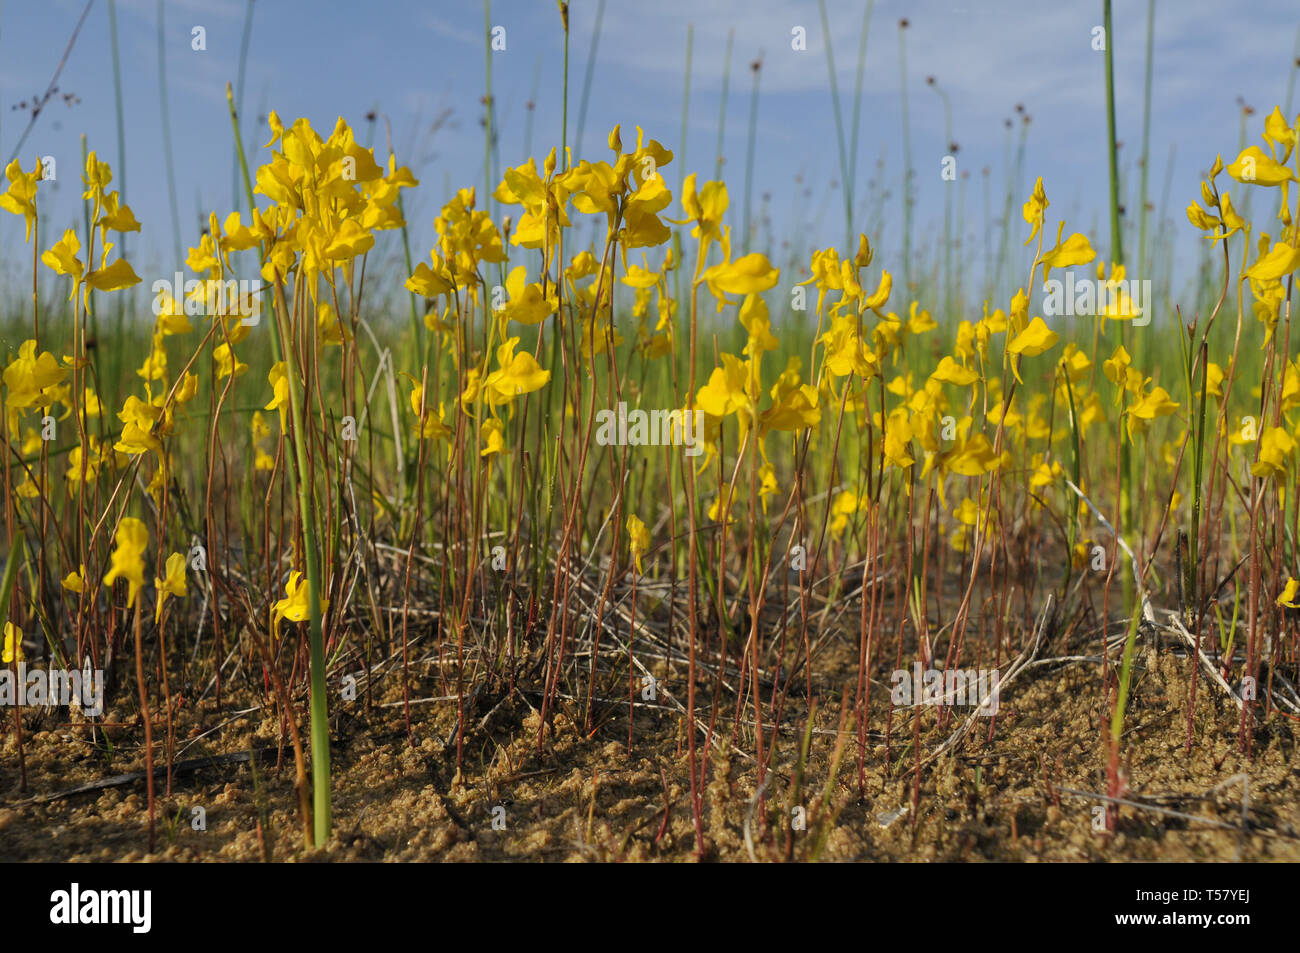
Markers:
(171, 583)
(128, 557)
(638, 539)
(19, 197)
(1276, 446)
(32, 379)
(75, 581)
(13, 645)
(294, 605)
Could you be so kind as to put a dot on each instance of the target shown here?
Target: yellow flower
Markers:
(795, 410)
(62, 258)
(117, 215)
(349, 241)
(898, 437)
(189, 387)
(1034, 210)
(31, 379)
(877, 300)
(262, 461)
(864, 254)
(279, 380)
(227, 362)
(919, 322)
(950, 372)
(757, 322)
(767, 484)
(1281, 260)
(1075, 250)
(13, 650)
(30, 489)
(329, 325)
(846, 503)
(973, 457)
(1277, 132)
(154, 367)
(638, 277)
(294, 606)
(171, 584)
(96, 177)
(128, 558)
(493, 439)
(75, 581)
(1147, 407)
(845, 352)
(1118, 370)
(1075, 363)
(1275, 447)
(704, 208)
(238, 236)
(1033, 340)
(115, 276)
(1153, 404)
(726, 392)
(748, 275)
(431, 282)
(137, 434)
(826, 272)
(91, 404)
(1045, 474)
(1231, 220)
(433, 425)
(641, 225)
(1256, 167)
(527, 304)
(544, 201)
(20, 197)
(638, 539)
(1289, 593)
(967, 512)
(516, 374)
(1201, 219)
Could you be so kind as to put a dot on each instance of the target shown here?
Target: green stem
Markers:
(907, 162)
(686, 106)
(589, 74)
(167, 133)
(722, 109)
(1112, 151)
(239, 96)
(1146, 141)
(303, 486)
(839, 128)
(564, 109)
(757, 68)
(857, 106)
(487, 100)
(300, 484)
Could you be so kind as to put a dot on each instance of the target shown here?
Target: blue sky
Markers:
(421, 65)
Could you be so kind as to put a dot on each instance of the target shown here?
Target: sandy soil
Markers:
(1006, 797)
